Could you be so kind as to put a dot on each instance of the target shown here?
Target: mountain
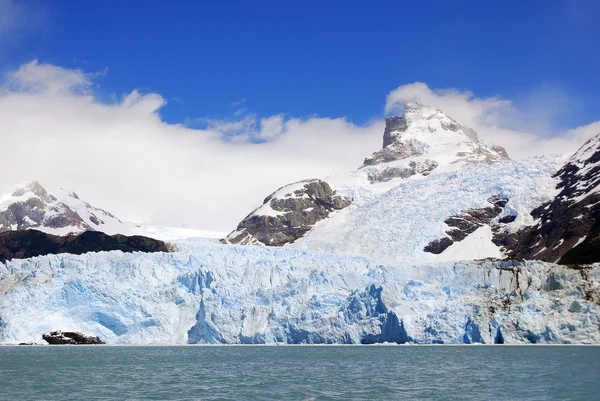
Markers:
(58, 211)
(213, 293)
(434, 192)
(31, 206)
(567, 228)
(408, 248)
(288, 213)
(424, 139)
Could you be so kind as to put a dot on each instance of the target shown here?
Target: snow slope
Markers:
(396, 223)
(211, 293)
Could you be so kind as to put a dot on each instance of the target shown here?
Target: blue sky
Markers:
(329, 58)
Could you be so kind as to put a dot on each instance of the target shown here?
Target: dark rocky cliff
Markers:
(30, 243)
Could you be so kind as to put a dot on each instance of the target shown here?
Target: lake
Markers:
(300, 372)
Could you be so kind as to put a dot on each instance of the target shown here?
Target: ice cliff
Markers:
(212, 293)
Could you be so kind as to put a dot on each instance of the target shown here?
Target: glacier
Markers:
(395, 220)
(210, 293)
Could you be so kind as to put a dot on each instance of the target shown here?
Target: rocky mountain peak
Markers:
(36, 189)
(425, 121)
(59, 212)
(288, 213)
(393, 125)
(424, 138)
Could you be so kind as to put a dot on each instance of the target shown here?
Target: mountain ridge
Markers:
(421, 142)
(60, 212)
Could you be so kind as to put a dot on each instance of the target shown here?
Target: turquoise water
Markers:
(300, 373)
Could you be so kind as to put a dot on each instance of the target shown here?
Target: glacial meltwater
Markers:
(300, 372)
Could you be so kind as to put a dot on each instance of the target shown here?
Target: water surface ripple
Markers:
(300, 373)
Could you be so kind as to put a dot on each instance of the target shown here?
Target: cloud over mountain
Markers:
(120, 155)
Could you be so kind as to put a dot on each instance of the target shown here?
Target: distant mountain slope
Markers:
(59, 211)
(29, 243)
(567, 228)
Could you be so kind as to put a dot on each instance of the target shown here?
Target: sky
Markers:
(190, 114)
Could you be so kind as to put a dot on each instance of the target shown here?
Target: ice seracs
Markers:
(213, 293)
(399, 223)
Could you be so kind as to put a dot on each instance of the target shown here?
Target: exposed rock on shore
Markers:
(70, 337)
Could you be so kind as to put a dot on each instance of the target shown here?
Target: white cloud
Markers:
(50, 80)
(523, 132)
(123, 157)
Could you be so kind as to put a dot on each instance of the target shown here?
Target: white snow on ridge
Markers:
(582, 159)
(237, 294)
(165, 233)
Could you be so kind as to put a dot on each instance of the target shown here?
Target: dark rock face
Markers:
(393, 124)
(70, 337)
(396, 151)
(568, 227)
(30, 243)
(466, 223)
(423, 167)
(438, 246)
(296, 213)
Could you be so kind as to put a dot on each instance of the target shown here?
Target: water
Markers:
(300, 373)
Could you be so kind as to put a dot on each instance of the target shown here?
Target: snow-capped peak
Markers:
(422, 120)
(424, 139)
(59, 211)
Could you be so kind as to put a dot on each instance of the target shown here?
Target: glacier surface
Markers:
(212, 293)
(394, 221)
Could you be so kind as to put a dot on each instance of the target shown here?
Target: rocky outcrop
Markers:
(32, 206)
(465, 223)
(423, 167)
(416, 142)
(567, 229)
(70, 337)
(30, 243)
(288, 213)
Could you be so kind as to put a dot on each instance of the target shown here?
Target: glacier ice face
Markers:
(212, 293)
